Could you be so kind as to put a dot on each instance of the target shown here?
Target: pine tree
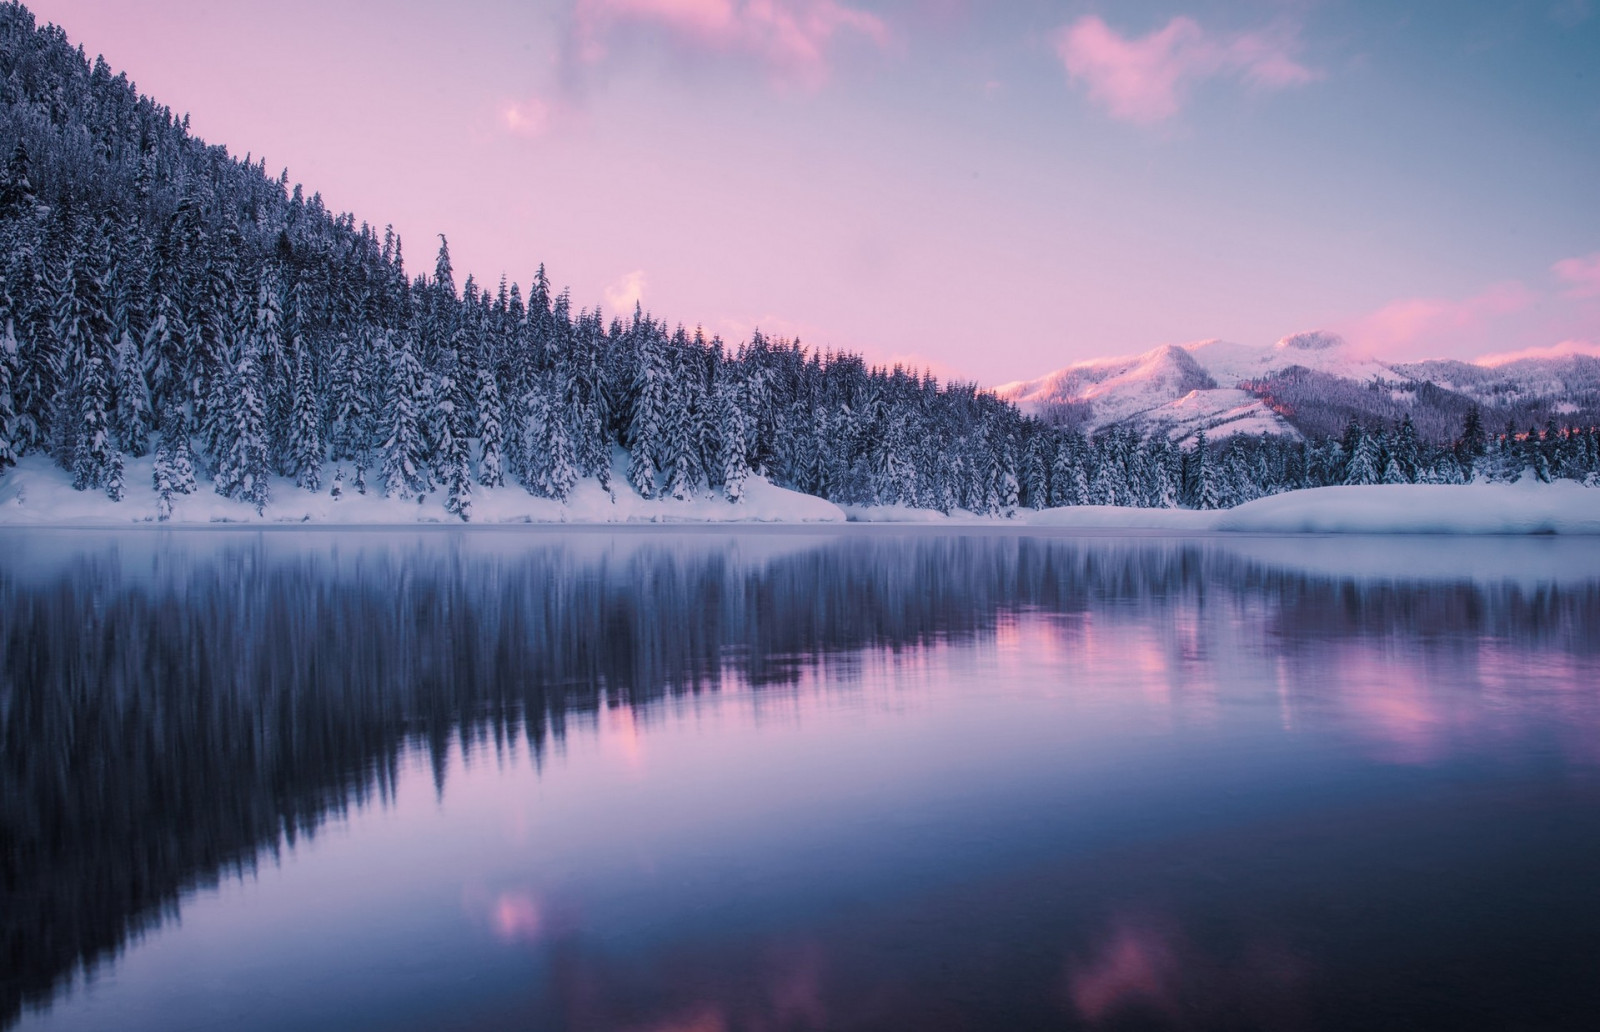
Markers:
(8, 407)
(405, 459)
(678, 463)
(491, 436)
(731, 435)
(132, 421)
(243, 455)
(1472, 446)
(1406, 455)
(174, 466)
(644, 424)
(305, 427)
(1035, 474)
(453, 456)
(1364, 460)
(85, 331)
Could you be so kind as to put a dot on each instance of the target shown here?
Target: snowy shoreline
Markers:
(38, 494)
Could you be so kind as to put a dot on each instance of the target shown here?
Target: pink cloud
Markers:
(1565, 349)
(625, 293)
(1415, 320)
(530, 117)
(791, 38)
(1147, 79)
(1581, 274)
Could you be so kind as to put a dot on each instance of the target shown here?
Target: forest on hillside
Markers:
(160, 297)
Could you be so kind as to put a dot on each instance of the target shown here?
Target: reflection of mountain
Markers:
(1309, 383)
(173, 706)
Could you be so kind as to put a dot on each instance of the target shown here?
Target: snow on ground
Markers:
(1526, 507)
(38, 492)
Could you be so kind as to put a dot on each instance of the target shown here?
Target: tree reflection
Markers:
(173, 708)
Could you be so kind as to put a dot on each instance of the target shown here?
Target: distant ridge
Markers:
(1307, 385)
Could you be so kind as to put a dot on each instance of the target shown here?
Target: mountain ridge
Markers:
(1306, 385)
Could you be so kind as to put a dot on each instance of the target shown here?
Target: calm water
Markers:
(847, 779)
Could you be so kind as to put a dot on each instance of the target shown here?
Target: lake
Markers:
(702, 780)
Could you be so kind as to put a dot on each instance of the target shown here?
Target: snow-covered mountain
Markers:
(1306, 384)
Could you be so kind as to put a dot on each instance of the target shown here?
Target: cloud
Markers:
(626, 292)
(530, 117)
(1419, 320)
(1147, 79)
(790, 38)
(1565, 349)
(1581, 274)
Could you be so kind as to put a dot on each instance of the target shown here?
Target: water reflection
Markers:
(176, 707)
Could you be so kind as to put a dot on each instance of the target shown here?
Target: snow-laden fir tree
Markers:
(1365, 459)
(731, 437)
(305, 426)
(131, 424)
(452, 456)
(8, 404)
(491, 433)
(405, 457)
(84, 328)
(646, 418)
(239, 418)
(173, 473)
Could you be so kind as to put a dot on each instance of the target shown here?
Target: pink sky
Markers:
(990, 190)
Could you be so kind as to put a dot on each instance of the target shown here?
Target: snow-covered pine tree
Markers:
(678, 452)
(27, 303)
(174, 465)
(1473, 444)
(491, 434)
(131, 424)
(1068, 482)
(347, 403)
(84, 328)
(731, 437)
(405, 456)
(1036, 474)
(646, 417)
(305, 426)
(1364, 465)
(452, 455)
(1406, 455)
(8, 405)
(242, 452)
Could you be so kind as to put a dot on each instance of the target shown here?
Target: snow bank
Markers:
(38, 493)
(1526, 507)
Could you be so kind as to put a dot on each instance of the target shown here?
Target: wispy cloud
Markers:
(1582, 275)
(791, 39)
(531, 116)
(1403, 324)
(626, 292)
(1565, 349)
(1147, 79)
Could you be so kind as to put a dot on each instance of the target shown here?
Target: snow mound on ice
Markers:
(1526, 507)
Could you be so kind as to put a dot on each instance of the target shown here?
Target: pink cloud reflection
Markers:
(1137, 966)
(1146, 79)
(791, 38)
(516, 917)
